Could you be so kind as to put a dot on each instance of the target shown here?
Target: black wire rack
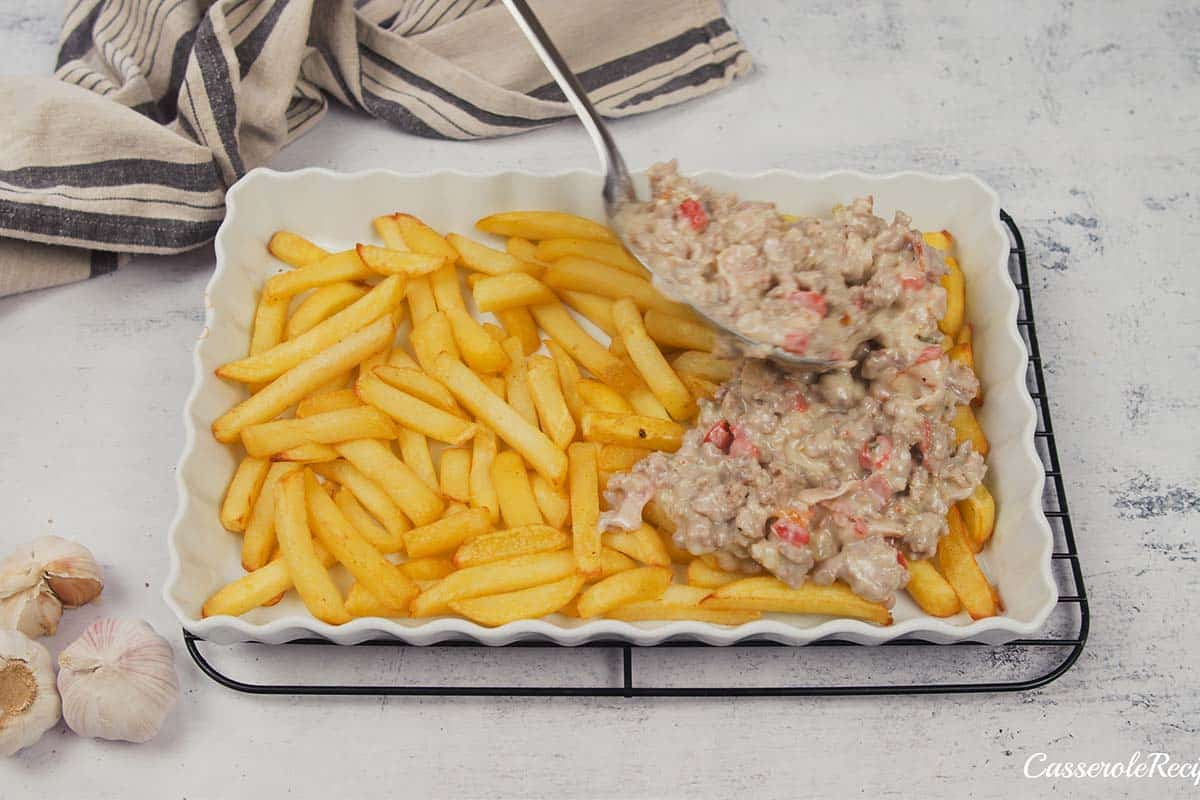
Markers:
(962, 667)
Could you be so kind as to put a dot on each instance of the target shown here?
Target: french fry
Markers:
(495, 331)
(258, 539)
(455, 474)
(516, 382)
(940, 240)
(700, 388)
(510, 291)
(307, 453)
(243, 490)
(294, 250)
(531, 603)
(496, 577)
(485, 260)
(630, 586)
(554, 503)
(379, 537)
(517, 504)
(431, 336)
(706, 365)
(592, 307)
(963, 353)
(360, 602)
(256, 588)
(552, 411)
(602, 397)
(311, 580)
(420, 299)
(772, 594)
(612, 254)
(674, 552)
(378, 575)
(978, 512)
(632, 431)
(656, 516)
(324, 402)
(401, 360)
(415, 414)
(650, 362)
(483, 455)
(446, 534)
(414, 451)
(585, 508)
(270, 320)
(419, 385)
(612, 562)
(446, 291)
(375, 460)
(290, 387)
(517, 541)
(429, 568)
(585, 275)
(320, 305)
(335, 267)
(643, 400)
(538, 225)
(562, 328)
(519, 322)
(568, 377)
(966, 334)
(420, 238)
(386, 261)
(367, 492)
(481, 352)
(532, 444)
(967, 428)
(957, 564)
(362, 422)
(684, 334)
(930, 590)
(618, 458)
(643, 544)
(955, 286)
(523, 249)
(701, 573)
(282, 357)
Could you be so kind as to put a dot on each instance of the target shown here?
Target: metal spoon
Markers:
(618, 186)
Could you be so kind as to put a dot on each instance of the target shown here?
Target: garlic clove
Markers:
(29, 704)
(34, 612)
(69, 568)
(117, 681)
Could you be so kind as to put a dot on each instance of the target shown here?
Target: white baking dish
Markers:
(335, 210)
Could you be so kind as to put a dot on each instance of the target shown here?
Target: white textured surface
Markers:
(1084, 118)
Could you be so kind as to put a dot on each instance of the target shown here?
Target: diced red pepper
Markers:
(901, 560)
(928, 354)
(742, 446)
(876, 453)
(813, 301)
(912, 282)
(720, 436)
(801, 402)
(695, 214)
(792, 527)
(795, 343)
(860, 528)
(926, 435)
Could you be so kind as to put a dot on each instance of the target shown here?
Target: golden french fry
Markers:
(966, 334)
(243, 490)
(978, 512)
(324, 402)
(420, 299)
(532, 444)
(517, 504)
(685, 334)
(940, 240)
(446, 534)
(516, 541)
(964, 353)
(312, 581)
(930, 590)
(368, 566)
(650, 362)
(456, 470)
(294, 250)
(322, 304)
(967, 428)
(568, 377)
(557, 321)
(367, 492)
(257, 588)
(602, 397)
(705, 365)
(270, 319)
(414, 413)
(592, 307)
(519, 322)
(606, 253)
(701, 573)
(485, 260)
(401, 360)
(386, 261)
(700, 388)
(363, 422)
(630, 586)
(632, 431)
(379, 537)
(420, 238)
(481, 352)
(375, 460)
(483, 455)
(429, 568)
(643, 544)
(531, 603)
(552, 411)
(419, 385)
(524, 250)
(414, 451)
(642, 399)
(554, 503)
(510, 291)
(258, 539)
(544, 225)
(495, 331)
(360, 602)
(516, 381)
(955, 285)
(674, 552)
(431, 336)
(335, 267)
(618, 458)
(308, 453)
(656, 516)
(585, 507)
(585, 275)
(496, 577)
(302, 379)
(612, 562)
(772, 594)
(446, 291)
(958, 565)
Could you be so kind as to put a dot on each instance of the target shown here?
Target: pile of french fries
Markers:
(454, 465)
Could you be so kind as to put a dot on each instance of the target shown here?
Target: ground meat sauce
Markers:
(838, 476)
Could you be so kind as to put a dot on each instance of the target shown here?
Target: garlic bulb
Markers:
(117, 681)
(42, 577)
(28, 700)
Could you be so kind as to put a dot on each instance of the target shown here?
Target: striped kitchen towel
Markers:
(157, 106)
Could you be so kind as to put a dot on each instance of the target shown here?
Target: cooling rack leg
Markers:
(627, 668)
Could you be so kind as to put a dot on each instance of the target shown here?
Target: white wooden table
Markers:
(1084, 118)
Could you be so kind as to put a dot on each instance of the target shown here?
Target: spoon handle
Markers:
(617, 184)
